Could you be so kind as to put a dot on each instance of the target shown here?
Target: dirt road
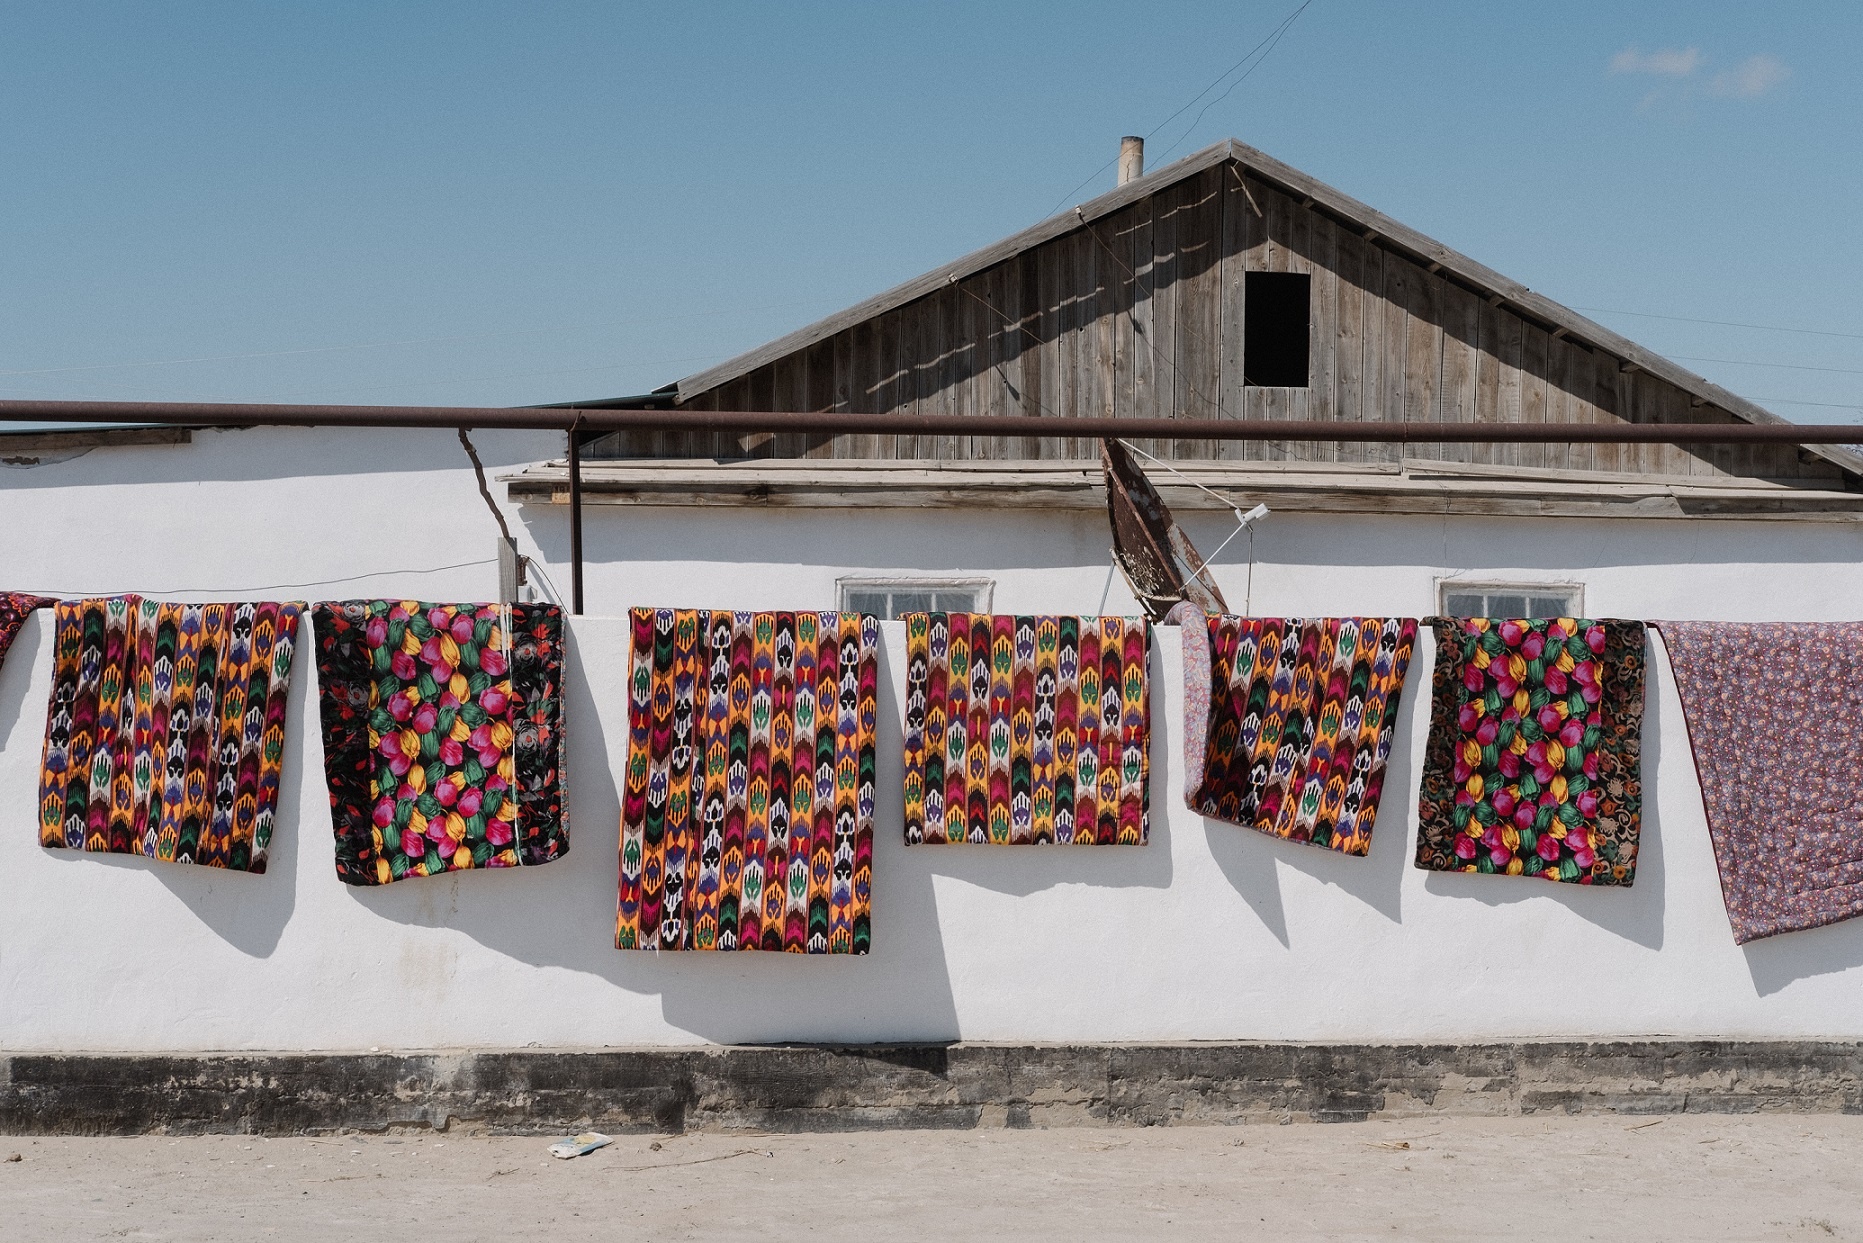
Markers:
(1522, 1178)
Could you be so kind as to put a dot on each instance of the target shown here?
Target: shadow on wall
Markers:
(1022, 870)
(22, 657)
(1778, 961)
(1634, 913)
(562, 916)
(249, 912)
(1248, 857)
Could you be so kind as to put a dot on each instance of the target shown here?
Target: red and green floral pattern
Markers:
(441, 736)
(1532, 767)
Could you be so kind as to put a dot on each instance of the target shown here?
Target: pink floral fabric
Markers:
(1775, 720)
(1194, 625)
(15, 608)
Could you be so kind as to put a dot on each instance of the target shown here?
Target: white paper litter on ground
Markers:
(579, 1145)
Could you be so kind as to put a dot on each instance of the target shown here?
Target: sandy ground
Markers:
(1451, 1179)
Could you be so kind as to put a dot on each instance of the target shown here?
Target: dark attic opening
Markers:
(1276, 310)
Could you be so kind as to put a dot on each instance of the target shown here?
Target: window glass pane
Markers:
(1552, 606)
(1506, 604)
(1465, 604)
(949, 601)
(891, 601)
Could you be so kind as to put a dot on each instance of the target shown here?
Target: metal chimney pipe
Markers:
(1131, 158)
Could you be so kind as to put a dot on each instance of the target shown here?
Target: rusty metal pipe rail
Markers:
(596, 421)
(578, 422)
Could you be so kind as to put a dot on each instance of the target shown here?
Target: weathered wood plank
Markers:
(1198, 287)
(1233, 228)
(1529, 374)
(1031, 351)
(1349, 338)
(1166, 221)
(1085, 332)
(1460, 313)
(1147, 381)
(1490, 383)
(1321, 399)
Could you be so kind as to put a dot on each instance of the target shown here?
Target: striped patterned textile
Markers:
(1025, 731)
(165, 734)
(747, 812)
(1296, 723)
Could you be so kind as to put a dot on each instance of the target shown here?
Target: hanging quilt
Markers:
(15, 608)
(165, 734)
(442, 735)
(747, 814)
(1027, 730)
(1533, 761)
(1293, 722)
(1773, 715)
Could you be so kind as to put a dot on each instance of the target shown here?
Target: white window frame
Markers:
(984, 588)
(1511, 586)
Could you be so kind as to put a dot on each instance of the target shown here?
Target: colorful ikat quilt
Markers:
(1533, 761)
(1289, 722)
(1027, 730)
(442, 736)
(1774, 713)
(747, 813)
(166, 729)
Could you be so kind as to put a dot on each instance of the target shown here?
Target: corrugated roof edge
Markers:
(1387, 232)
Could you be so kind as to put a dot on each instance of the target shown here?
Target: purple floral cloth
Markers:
(1775, 719)
(1194, 626)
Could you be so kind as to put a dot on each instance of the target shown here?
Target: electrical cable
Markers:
(1749, 362)
(1272, 41)
(1273, 36)
(1719, 323)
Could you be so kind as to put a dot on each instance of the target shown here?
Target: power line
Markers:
(1749, 362)
(1828, 405)
(1721, 323)
(1268, 41)
(1272, 41)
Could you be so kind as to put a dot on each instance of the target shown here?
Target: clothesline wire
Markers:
(1228, 502)
(327, 582)
(532, 564)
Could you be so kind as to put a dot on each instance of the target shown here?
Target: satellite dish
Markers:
(1160, 563)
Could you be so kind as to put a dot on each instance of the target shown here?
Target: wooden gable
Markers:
(1136, 306)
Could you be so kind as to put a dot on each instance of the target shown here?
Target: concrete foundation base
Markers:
(822, 1088)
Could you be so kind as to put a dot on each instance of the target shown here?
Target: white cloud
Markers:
(1751, 78)
(1667, 62)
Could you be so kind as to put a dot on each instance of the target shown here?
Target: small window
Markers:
(1512, 600)
(891, 599)
(1276, 310)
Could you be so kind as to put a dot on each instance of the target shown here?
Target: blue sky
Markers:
(508, 203)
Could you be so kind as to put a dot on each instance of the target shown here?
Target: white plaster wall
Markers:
(1211, 932)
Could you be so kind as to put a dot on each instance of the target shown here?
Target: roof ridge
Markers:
(1312, 193)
